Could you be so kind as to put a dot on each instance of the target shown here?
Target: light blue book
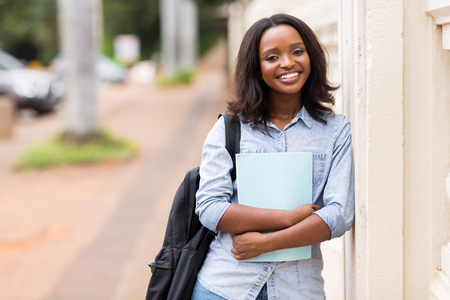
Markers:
(277, 181)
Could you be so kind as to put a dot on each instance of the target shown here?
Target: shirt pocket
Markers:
(318, 168)
(252, 150)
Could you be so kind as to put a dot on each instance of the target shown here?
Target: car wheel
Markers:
(43, 110)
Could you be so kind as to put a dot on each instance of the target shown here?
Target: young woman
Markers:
(283, 99)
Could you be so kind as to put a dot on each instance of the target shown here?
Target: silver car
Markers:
(34, 89)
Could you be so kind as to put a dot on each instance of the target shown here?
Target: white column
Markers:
(378, 139)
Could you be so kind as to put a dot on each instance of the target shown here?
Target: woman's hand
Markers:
(248, 245)
(251, 244)
(302, 212)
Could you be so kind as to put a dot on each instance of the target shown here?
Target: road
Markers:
(88, 232)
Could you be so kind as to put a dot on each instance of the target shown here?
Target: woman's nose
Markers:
(286, 61)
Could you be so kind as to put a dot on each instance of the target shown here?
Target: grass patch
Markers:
(58, 152)
(180, 78)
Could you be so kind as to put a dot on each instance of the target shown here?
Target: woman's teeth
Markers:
(287, 76)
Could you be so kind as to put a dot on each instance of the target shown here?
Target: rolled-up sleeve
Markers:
(339, 191)
(216, 189)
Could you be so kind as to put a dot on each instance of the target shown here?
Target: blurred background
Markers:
(153, 72)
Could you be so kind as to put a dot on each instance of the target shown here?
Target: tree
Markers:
(140, 17)
(79, 44)
(28, 29)
(188, 34)
(179, 35)
(169, 60)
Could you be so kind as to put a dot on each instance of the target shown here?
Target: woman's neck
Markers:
(284, 109)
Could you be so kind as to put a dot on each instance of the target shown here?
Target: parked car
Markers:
(36, 89)
(110, 71)
(107, 70)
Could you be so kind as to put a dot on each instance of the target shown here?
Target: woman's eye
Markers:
(298, 51)
(271, 58)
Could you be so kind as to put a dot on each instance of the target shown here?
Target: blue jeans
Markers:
(263, 294)
(202, 293)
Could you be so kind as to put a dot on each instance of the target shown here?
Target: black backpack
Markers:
(186, 241)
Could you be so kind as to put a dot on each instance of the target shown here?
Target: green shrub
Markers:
(180, 77)
(57, 152)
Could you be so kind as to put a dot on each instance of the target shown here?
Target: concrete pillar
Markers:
(378, 144)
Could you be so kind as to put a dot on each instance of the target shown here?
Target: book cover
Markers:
(276, 181)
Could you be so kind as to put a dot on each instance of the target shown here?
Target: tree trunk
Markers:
(187, 34)
(169, 61)
(79, 42)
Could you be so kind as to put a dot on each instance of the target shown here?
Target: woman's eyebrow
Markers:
(291, 45)
(297, 44)
(269, 50)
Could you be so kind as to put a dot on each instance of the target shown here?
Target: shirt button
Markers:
(269, 268)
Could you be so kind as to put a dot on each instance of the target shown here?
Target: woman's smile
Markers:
(289, 77)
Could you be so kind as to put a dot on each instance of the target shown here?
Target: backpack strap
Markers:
(233, 138)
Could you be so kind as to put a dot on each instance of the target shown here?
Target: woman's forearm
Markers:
(241, 218)
(310, 231)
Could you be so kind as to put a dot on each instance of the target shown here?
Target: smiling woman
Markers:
(283, 100)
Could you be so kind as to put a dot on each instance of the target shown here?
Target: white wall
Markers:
(401, 110)
(427, 149)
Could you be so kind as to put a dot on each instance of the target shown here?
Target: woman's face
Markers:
(284, 62)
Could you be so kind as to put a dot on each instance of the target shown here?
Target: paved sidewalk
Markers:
(88, 232)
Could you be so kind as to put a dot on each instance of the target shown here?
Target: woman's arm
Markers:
(240, 218)
(310, 231)
(330, 221)
(216, 188)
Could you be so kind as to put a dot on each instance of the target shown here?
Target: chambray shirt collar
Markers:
(303, 115)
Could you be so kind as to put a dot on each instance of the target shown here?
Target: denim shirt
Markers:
(333, 191)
